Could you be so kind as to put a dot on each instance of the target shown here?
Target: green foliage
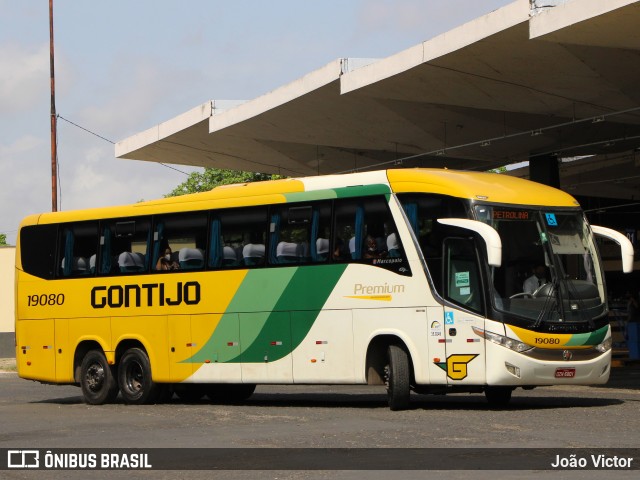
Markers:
(3, 239)
(213, 177)
(498, 170)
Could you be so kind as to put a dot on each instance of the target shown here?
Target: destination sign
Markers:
(510, 215)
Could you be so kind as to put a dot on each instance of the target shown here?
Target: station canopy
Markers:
(519, 83)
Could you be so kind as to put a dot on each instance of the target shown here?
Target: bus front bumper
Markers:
(572, 367)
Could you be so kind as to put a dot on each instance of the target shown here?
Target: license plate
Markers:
(565, 372)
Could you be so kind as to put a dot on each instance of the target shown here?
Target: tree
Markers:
(3, 239)
(213, 177)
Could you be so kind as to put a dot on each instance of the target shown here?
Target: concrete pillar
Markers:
(544, 169)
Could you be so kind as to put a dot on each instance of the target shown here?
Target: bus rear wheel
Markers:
(134, 378)
(97, 381)
(397, 378)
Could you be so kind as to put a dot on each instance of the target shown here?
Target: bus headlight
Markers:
(510, 343)
(604, 346)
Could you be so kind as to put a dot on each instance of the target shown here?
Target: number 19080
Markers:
(46, 300)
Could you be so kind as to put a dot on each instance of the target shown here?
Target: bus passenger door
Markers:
(465, 354)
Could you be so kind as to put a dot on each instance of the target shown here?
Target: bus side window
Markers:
(38, 250)
(366, 232)
(238, 238)
(461, 274)
(346, 237)
(300, 233)
(423, 211)
(185, 235)
(125, 246)
(77, 245)
(289, 234)
(379, 230)
(344, 231)
(321, 232)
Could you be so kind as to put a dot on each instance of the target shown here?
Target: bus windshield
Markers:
(550, 270)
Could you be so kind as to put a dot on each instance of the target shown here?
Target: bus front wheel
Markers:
(134, 378)
(397, 378)
(97, 381)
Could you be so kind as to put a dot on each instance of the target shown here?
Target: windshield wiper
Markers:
(549, 304)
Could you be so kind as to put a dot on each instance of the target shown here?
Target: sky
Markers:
(123, 66)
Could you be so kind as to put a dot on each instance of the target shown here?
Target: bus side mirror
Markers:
(488, 233)
(626, 247)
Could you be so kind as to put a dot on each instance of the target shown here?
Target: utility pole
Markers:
(54, 120)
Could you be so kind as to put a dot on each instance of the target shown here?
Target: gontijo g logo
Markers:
(456, 366)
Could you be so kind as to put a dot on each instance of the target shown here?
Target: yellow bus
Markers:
(417, 279)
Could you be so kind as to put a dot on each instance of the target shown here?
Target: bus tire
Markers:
(498, 397)
(97, 381)
(134, 378)
(397, 378)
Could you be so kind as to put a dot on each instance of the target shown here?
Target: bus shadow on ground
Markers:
(472, 402)
(520, 403)
(377, 401)
(75, 400)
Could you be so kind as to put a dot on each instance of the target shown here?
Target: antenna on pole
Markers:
(54, 135)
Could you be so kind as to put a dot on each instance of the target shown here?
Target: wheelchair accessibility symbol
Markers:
(448, 318)
(551, 219)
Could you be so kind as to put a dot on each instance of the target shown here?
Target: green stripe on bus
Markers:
(593, 338)
(310, 196)
(308, 291)
(363, 190)
(344, 192)
(260, 313)
(259, 291)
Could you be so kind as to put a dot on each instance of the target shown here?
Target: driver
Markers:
(536, 280)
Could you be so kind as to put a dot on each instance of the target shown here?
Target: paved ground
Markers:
(33, 415)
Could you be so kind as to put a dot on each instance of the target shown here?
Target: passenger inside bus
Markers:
(536, 280)
(339, 251)
(166, 261)
(372, 249)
